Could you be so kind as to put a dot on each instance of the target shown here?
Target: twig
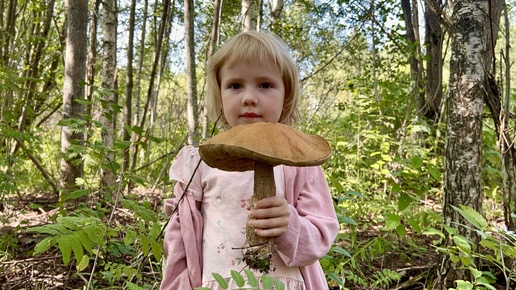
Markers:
(40, 167)
(424, 267)
(117, 198)
(29, 260)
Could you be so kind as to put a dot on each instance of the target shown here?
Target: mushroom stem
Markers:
(258, 250)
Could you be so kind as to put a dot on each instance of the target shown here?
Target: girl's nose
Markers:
(249, 99)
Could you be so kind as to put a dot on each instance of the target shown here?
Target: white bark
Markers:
(248, 15)
(191, 79)
(463, 152)
(109, 23)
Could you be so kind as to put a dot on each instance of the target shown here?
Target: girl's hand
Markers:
(270, 217)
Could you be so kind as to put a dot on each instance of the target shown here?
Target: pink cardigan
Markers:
(312, 229)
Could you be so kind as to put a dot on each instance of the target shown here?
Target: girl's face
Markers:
(251, 92)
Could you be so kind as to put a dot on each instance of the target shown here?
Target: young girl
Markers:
(252, 78)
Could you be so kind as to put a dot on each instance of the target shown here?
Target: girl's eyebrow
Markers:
(232, 80)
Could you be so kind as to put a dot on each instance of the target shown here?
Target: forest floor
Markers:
(19, 269)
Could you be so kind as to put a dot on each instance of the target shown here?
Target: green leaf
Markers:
(65, 246)
(53, 229)
(333, 276)
(416, 162)
(132, 286)
(347, 220)
(472, 216)
(68, 222)
(157, 249)
(130, 237)
(77, 248)
(400, 229)
(335, 182)
(465, 260)
(476, 273)
(239, 280)
(462, 243)
(433, 231)
(77, 194)
(44, 245)
(84, 239)
(463, 285)
(94, 233)
(278, 284)
(137, 130)
(267, 282)
(414, 224)
(354, 193)
(404, 201)
(251, 279)
(450, 230)
(145, 245)
(434, 172)
(121, 144)
(341, 251)
(486, 282)
(392, 221)
(454, 258)
(220, 280)
(83, 263)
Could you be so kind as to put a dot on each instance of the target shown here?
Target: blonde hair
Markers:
(247, 47)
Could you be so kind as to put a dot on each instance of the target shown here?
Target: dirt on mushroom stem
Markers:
(257, 251)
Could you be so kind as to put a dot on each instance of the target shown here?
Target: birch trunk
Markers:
(109, 22)
(129, 86)
(248, 15)
(73, 89)
(191, 79)
(213, 43)
(463, 152)
(92, 59)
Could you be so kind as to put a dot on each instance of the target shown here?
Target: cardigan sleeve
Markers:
(183, 234)
(313, 222)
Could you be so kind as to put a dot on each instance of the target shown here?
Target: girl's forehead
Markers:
(250, 59)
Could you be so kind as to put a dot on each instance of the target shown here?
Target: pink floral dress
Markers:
(224, 198)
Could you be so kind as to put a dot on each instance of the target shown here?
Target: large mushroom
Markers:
(260, 147)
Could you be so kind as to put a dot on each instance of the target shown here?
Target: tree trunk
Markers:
(276, 8)
(213, 43)
(506, 145)
(109, 23)
(248, 15)
(92, 59)
(152, 76)
(162, 64)
(191, 79)
(141, 54)
(463, 152)
(410, 12)
(434, 63)
(129, 86)
(32, 101)
(73, 88)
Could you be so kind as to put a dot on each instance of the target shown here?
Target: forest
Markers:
(415, 99)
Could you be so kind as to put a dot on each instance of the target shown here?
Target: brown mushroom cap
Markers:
(238, 148)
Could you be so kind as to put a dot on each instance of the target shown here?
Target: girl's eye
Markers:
(234, 86)
(266, 85)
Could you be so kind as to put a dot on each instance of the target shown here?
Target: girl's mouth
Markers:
(249, 115)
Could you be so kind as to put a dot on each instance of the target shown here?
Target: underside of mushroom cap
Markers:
(238, 148)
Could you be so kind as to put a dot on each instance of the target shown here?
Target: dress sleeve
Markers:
(313, 222)
(185, 171)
